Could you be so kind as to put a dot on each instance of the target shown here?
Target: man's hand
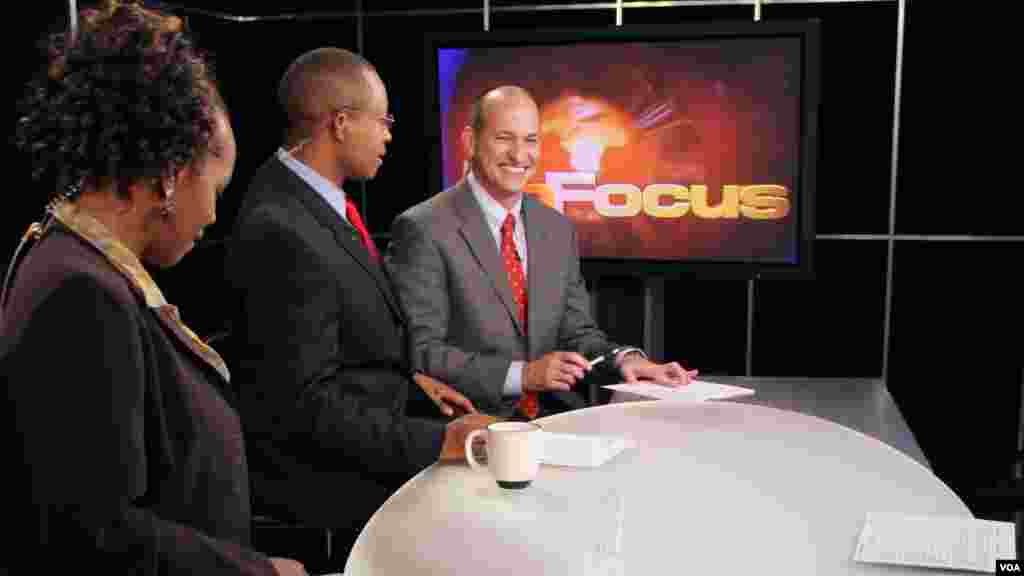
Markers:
(288, 567)
(448, 400)
(454, 447)
(635, 368)
(554, 371)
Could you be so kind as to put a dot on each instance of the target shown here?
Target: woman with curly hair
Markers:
(133, 462)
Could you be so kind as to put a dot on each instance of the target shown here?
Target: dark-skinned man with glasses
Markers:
(320, 340)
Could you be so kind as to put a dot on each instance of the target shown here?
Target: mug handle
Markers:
(473, 463)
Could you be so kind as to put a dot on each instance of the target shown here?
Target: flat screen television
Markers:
(679, 149)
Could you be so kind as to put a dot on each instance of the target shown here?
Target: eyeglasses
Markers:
(387, 120)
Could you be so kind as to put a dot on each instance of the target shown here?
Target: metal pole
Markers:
(887, 316)
(73, 20)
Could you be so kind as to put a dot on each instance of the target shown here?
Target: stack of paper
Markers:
(577, 450)
(935, 542)
(695, 391)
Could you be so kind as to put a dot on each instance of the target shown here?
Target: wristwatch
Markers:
(626, 351)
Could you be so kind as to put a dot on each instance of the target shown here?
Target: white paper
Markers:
(695, 391)
(935, 542)
(580, 450)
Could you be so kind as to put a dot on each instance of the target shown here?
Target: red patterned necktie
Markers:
(352, 213)
(528, 405)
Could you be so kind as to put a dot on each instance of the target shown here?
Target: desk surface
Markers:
(717, 487)
(864, 405)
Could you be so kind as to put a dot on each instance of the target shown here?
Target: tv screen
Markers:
(689, 148)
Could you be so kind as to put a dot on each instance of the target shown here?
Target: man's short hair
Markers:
(477, 110)
(319, 80)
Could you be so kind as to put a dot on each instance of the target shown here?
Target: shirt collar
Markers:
(494, 212)
(333, 194)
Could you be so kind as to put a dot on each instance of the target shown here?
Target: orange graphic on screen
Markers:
(584, 129)
(595, 136)
(590, 142)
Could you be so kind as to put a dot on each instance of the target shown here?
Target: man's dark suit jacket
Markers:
(321, 360)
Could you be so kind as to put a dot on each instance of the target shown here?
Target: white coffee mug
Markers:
(514, 452)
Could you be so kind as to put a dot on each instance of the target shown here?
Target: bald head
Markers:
(501, 97)
(319, 81)
(502, 142)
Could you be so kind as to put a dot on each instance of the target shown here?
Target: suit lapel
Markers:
(170, 318)
(540, 265)
(481, 244)
(344, 235)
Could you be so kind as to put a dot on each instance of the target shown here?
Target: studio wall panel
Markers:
(957, 174)
(956, 353)
(706, 325)
(619, 311)
(830, 326)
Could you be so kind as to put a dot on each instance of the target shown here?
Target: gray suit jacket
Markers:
(449, 277)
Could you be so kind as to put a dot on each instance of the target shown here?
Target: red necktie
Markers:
(528, 405)
(352, 213)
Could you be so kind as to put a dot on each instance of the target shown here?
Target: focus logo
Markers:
(1008, 567)
(755, 202)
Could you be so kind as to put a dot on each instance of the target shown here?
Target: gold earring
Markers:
(167, 207)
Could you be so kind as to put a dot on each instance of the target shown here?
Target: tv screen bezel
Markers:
(806, 30)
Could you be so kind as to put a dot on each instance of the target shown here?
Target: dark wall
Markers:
(952, 236)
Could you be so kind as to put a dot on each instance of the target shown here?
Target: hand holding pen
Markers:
(555, 371)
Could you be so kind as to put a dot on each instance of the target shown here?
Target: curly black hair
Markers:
(129, 99)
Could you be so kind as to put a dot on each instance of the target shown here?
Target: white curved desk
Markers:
(712, 488)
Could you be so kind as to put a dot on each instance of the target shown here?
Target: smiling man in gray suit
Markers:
(490, 279)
